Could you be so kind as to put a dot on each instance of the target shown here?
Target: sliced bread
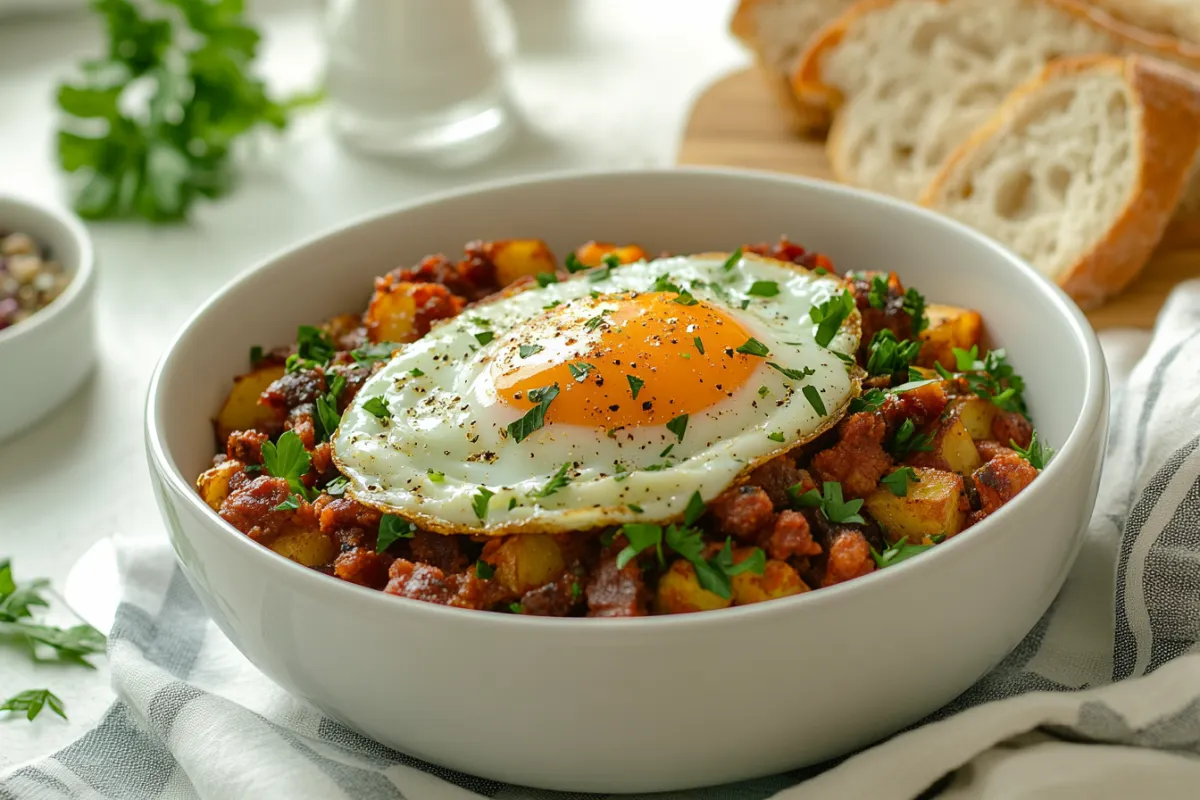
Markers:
(1180, 18)
(777, 31)
(913, 78)
(1080, 169)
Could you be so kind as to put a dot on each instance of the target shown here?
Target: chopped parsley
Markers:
(483, 337)
(435, 476)
(634, 507)
(535, 417)
(763, 391)
(695, 509)
(794, 374)
(256, 355)
(512, 503)
(641, 537)
(898, 481)
(544, 279)
(526, 350)
(753, 347)
(907, 440)
(715, 574)
(635, 384)
(596, 321)
(820, 271)
(368, 355)
(579, 370)
(830, 315)
(908, 387)
(777, 436)
(699, 344)
(378, 406)
(573, 264)
(830, 503)
(667, 450)
(336, 487)
(611, 260)
(877, 294)
(901, 551)
(678, 426)
(392, 528)
(763, 289)
(914, 306)
(871, 400)
(290, 504)
(685, 299)
(416, 372)
(1038, 454)
(601, 273)
(313, 345)
(888, 355)
(287, 459)
(32, 701)
(479, 503)
(732, 261)
(484, 570)
(814, 399)
(558, 481)
(992, 378)
(516, 608)
(576, 590)
(327, 417)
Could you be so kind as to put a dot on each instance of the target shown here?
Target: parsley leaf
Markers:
(435, 476)
(794, 374)
(484, 570)
(993, 378)
(416, 372)
(685, 299)
(256, 355)
(596, 321)
(31, 701)
(579, 370)
(897, 482)
(871, 400)
(369, 354)
(17, 602)
(753, 347)
(527, 350)
(392, 528)
(732, 261)
(696, 340)
(914, 306)
(287, 459)
(479, 504)
(377, 406)
(544, 279)
(558, 481)
(907, 440)
(777, 436)
(635, 384)
(573, 264)
(1038, 454)
(900, 551)
(763, 391)
(830, 503)
(763, 289)
(641, 537)
(830, 315)
(888, 355)
(483, 337)
(695, 509)
(290, 504)
(678, 426)
(814, 399)
(877, 294)
(327, 416)
(535, 417)
(336, 487)
(313, 344)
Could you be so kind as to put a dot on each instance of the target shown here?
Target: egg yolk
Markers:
(645, 363)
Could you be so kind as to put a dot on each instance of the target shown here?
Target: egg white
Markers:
(446, 438)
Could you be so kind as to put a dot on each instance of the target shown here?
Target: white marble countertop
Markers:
(607, 85)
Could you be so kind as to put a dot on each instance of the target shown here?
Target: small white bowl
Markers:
(658, 703)
(45, 358)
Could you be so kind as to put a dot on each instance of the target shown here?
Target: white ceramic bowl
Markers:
(654, 703)
(45, 358)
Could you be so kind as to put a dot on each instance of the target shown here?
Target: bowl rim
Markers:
(1092, 414)
(81, 277)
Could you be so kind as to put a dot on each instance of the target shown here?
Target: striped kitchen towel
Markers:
(1101, 700)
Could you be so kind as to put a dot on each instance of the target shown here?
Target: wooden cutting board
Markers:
(736, 123)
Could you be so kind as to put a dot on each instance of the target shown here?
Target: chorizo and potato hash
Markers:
(873, 427)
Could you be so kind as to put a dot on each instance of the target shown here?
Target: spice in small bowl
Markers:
(29, 279)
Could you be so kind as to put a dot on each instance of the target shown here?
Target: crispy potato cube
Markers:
(679, 592)
(307, 546)
(242, 411)
(402, 311)
(213, 483)
(519, 258)
(527, 561)
(949, 327)
(592, 254)
(778, 580)
(976, 415)
(953, 450)
(931, 507)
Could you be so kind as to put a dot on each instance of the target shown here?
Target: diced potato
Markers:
(778, 580)
(953, 450)
(976, 415)
(931, 507)
(402, 311)
(307, 546)
(519, 258)
(213, 483)
(592, 254)
(242, 411)
(679, 592)
(527, 561)
(949, 327)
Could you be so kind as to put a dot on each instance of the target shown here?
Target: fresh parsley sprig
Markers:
(901, 550)
(887, 355)
(991, 377)
(286, 458)
(1038, 453)
(907, 440)
(830, 315)
(31, 701)
(897, 482)
(150, 127)
(392, 529)
(830, 503)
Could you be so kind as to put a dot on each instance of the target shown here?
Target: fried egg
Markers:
(604, 399)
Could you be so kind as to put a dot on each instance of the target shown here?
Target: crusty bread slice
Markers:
(777, 31)
(913, 78)
(1080, 169)
(1179, 18)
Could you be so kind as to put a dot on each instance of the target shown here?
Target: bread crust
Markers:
(810, 90)
(1168, 101)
